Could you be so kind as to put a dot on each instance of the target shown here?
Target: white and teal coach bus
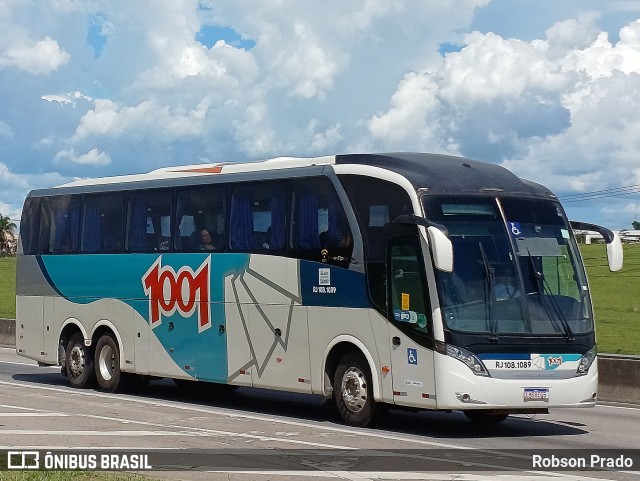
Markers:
(404, 279)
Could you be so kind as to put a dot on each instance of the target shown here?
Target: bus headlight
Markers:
(585, 362)
(468, 358)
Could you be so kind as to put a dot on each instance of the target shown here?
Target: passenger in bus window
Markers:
(206, 244)
(345, 240)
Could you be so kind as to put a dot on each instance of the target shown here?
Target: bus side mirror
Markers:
(441, 246)
(614, 253)
(614, 245)
(442, 249)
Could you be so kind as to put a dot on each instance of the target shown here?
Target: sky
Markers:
(548, 89)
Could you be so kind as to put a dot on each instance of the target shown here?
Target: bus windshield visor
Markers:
(516, 268)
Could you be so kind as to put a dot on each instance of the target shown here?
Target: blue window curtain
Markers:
(66, 217)
(336, 221)
(74, 224)
(278, 220)
(91, 235)
(241, 222)
(307, 233)
(137, 241)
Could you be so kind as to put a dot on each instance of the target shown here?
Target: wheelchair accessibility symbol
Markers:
(515, 228)
(412, 356)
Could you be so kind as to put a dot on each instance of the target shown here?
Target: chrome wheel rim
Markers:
(77, 361)
(106, 362)
(354, 389)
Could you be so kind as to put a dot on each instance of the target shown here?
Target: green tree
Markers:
(636, 225)
(7, 235)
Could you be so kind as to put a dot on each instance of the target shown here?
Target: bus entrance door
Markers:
(411, 332)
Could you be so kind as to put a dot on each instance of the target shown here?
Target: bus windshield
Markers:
(516, 268)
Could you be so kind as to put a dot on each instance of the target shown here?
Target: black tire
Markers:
(483, 417)
(107, 363)
(79, 362)
(353, 390)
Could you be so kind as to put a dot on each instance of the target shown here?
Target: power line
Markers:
(599, 194)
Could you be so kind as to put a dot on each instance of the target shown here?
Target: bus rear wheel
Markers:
(107, 362)
(353, 390)
(79, 362)
(483, 417)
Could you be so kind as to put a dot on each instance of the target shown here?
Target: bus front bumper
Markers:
(457, 388)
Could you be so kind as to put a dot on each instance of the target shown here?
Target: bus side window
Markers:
(407, 287)
(200, 211)
(149, 221)
(63, 213)
(376, 203)
(102, 224)
(319, 229)
(258, 217)
(30, 226)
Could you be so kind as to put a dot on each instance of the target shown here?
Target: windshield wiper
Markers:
(490, 306)
(543, 288)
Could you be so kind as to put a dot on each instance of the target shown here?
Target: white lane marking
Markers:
(32, 415)
(608, 406)
(53, 447)
(396, 475)
(34, 432)
(57, 368)
(11, 406)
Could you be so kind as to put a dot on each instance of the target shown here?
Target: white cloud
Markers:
(305, 49)
(147, 120)
(600, 145)
(70, 98)
(415, 117)
(493, 68)
(322, 142)
(572, 34)
(43, 57)
(93, 157)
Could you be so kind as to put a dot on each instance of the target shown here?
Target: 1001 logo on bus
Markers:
(184, 291)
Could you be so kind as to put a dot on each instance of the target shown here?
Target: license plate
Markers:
(536, 394)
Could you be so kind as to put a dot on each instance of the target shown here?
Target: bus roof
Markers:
(447, 174)
(434, 173)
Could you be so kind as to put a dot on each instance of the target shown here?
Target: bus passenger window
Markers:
(30, 226)
(64, 221)
(149, 224)
(377, 203)
(102, 226)
(200, 219)
(258, 217)
(320, 231)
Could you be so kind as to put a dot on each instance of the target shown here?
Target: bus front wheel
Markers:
(353, 390)
(79, 362)
(107, 363)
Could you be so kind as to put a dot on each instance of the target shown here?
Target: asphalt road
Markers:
(39, 411)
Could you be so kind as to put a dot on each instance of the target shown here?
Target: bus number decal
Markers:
(184, 291)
